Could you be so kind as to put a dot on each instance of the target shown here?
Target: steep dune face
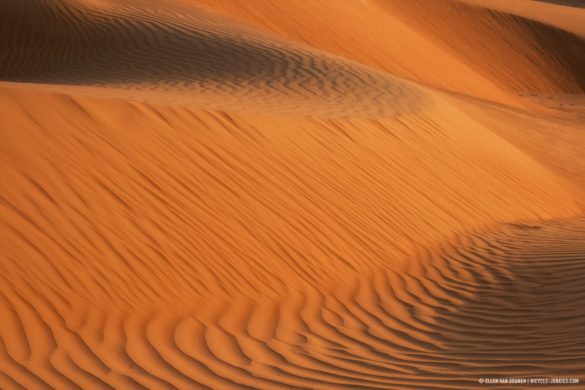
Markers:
(163, 246)
(370, 35)
(516, 53)
(190, 202)
(563, 14)
(484, 64)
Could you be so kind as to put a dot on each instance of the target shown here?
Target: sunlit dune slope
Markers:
(152, 246)
(181, 203)
(446, 44)
(557, 141)
(370, 35)
(190, 201)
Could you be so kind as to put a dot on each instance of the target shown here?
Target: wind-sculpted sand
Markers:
(186, 55)
(489, 305)
(568, 18)
(203, 194)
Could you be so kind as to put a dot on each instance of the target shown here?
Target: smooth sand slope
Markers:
(226, 195)
(569, 18)
(517, 53)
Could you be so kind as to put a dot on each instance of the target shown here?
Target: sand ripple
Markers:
(486, 305)
(282, 217)
(188, 56)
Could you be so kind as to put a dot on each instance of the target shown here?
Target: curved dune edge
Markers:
(492, 54)
(224, 204)
(327, 226)
(555, 141)
(516, 53)
(185, 55)
(554, 13)
(414, 56)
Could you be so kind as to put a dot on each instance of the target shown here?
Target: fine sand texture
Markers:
(264, 194)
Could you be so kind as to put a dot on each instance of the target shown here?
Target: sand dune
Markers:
(186, 55)
(561, 14)
(452, 311)
(197, 192)
(555, 140)
(486, 64)
(366, 21)
(499, 45)
(232, 195)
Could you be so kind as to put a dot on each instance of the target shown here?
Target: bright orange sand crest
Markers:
(374, 194)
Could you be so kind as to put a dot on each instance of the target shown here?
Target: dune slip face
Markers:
(273, 195)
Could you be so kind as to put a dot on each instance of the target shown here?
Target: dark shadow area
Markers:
(567, 3)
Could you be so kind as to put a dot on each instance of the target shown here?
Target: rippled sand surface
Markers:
(226, 194)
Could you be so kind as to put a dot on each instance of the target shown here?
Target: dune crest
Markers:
(562, 14)
(498, 44)
(186, 56)
(213, 195)
(370, 35)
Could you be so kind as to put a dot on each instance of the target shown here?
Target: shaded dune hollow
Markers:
(189, 56)
(194, 198)
(517, 53)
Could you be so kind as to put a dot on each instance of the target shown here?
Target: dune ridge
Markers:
(555, 141)
(407, 57)
(499, 43)
(499, 40)
(187, 56)
(553, 13)
(266, 189)
(212, 195)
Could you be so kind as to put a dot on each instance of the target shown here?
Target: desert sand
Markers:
(327, 194)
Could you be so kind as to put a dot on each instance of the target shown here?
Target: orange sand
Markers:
(267, 194)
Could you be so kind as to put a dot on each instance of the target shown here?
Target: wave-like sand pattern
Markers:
(492, 304)
(370, 35)
(544, 41)
(189, 248)
(281, 217)
(188, 56)
(211, 203)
